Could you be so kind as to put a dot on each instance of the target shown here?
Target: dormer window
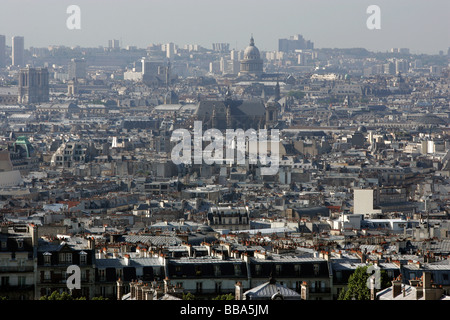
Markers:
(47, 258)
(278, 269)
(237, 270)
(316, 269)
(298, 269)
(83, 257)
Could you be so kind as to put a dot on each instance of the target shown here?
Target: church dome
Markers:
(252, 64)
(251, 52)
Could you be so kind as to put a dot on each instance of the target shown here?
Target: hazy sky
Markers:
(421, 25)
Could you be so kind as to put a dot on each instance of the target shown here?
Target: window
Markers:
(258, 269)
(217, 270)
(297, 269)
(47, 258)
(316, 269)
(47, 275)
(5, 281)
(199, 287)
(237, 270)
(218, 287)
(83, 257)
(278, 269)
(22, 281)
(101, 274)
(68, 258)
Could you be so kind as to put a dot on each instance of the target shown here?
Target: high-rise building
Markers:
(221, 47)
(389, 68)
(18, 48)
(33, 85)
(170, 50)
(400, 50)
(114, 44)
(302, 59)
(234, 55)
(296, 42)
(401, 66)
(77, 69)
(2, 51)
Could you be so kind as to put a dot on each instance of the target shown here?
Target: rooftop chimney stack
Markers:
(239, 292)
(396, 287)
(119, 289)
(304, 291)
(373, 293)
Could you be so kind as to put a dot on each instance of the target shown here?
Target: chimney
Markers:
(91, 243)
(119, 289)
(34, 235)
(430, 290)
(148, 293)
(209, 249)
(228, 246)
(304, 291)
(138, 293)
(166, 285)
(132, 290)
(373, 293)
(426, 280)
(145, 289)
(396, 286)
(189, 249)
(364, 255)
(238, 292)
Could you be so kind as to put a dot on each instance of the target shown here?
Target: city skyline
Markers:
(327, 24)
(286, 150)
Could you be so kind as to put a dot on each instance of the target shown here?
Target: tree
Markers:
(67, 296)
(357, 288)
(228, 296)
(57, 296)
(188, 296)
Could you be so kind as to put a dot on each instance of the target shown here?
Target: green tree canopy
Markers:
(357, 288)
(67, 296)
(228, 296)
(57, 296)
(188, 296)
